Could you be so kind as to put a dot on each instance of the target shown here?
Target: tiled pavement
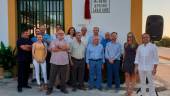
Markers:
(8, 88)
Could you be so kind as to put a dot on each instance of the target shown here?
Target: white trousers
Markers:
(37, 71)
(143, 75)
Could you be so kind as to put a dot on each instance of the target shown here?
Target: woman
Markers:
(39, 52)
(70, 34)
(128, 66)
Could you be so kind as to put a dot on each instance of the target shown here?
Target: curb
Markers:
(162, 57)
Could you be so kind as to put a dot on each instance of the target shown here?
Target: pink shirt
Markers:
(61, 57)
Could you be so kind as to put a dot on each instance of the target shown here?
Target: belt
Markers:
(77, 59)
(95, 59)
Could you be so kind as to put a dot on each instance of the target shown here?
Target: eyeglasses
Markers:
(130, 36)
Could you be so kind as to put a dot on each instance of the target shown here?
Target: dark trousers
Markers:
(77, 72)
(58, 70)
(23, 73)
(48, 64)
(113, 70)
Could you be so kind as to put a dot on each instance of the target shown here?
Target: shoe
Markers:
(19, 90)
(82, 88)
(100, 89)
(90, 88)
(116, 91)
(28, 87)
(49, 91)
(108, 88)
(33, 80)
(74, 89)
(58, 87)
(64, 91)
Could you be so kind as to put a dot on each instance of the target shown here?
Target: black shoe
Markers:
(82, 88)
(58, 86)
(108, 88)
(33, 80)
(64, 91)
(19, 90)
(74, 89)
(100, 89)
(28, 87)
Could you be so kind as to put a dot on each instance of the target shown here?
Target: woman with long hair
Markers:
(130, 48)
(39, 52)
(70, 34)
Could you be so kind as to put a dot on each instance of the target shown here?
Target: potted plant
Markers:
(8, 59)
(1, 61)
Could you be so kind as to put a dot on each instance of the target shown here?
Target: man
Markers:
(46, 37)
(84, 37)
(95, 33)
(104, 42)
(106, 39)
(112, 55)
(77, 51)
(146, 64)
(24, 58)
(95, 60)
(59, 61)
(54, 36)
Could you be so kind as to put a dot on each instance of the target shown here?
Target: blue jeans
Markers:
(95, 72)
(113, 70)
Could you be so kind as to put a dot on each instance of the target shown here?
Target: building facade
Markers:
(121, 16)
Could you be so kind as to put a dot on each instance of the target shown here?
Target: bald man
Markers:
(59, 62)
(95, 60)
(96, 33)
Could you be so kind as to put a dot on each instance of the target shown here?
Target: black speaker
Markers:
(154, 27)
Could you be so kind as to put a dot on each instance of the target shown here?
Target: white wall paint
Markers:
(4, 21)
(117, 20)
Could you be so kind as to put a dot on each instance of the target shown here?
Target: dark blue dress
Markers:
(129, 58)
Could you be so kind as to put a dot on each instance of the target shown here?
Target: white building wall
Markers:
(4, 21)
(117, 20)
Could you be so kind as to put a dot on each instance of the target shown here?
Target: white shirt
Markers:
(77, 50)
(84, 39)
(146, 57)
(69, 39)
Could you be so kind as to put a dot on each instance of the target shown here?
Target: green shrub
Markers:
(164, 42)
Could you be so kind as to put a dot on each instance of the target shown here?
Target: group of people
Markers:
(68, 55)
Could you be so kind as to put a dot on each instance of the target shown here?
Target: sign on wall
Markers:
(100, 6)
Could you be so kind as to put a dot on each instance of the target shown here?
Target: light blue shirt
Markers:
(113, 51)
(94, 52)
(46, 37)
(90, 41)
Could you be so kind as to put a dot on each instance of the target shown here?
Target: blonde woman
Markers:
(130, 48)
(39, 52)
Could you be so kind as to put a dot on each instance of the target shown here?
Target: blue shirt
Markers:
(113, 51)
(94, 52)
(90, 41)
(46, 37)
(104, 42)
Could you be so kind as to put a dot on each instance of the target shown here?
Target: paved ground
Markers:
(8, 86)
